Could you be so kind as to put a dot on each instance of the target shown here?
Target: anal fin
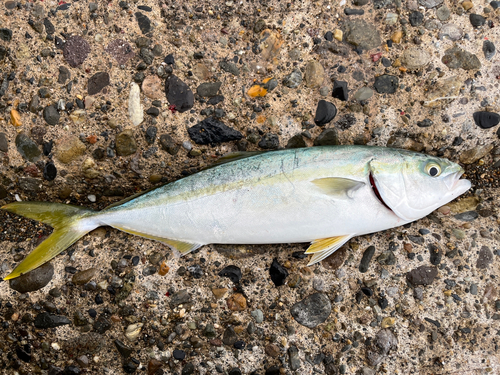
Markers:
(323, 248)
(182, 247)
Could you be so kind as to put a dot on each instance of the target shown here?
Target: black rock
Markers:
(365, 260)
(229, 337)
(485, 258)
(435, 254)
(27, 148)
(144, 22)
(178, 94)
(467, 216)
(97, 82)
(211, 131)
(293, 358)
(188, 369)
(329, 36)
(273, 370)
(151, 134)
(5, 34)
(168, 144)
(179, 354)
(489, 49)
(312, 310)
(130, 367)
(24, 353)
(49, 171)
(71, 370)
(230, 67)
(181, 297)
(46, 320)
(231, 272)
(477, 20)
(124, 350)
(64, 75)
(102, 324)
(215, 100)
(278, 273)
(234, 371)
(297, 141)
(196, 271)
(50, 115)
(495, 4)
(153, 111)
(208, 89)
(327, 137)
(424, 123)
(4, 144)
(49, 26)
(240, 344)
(386, 84)
(486, 120)
(47, 147)
(269, 141)
(340, 90)
(353, 12)
(416, 18)
(423, 275)
(325, 112)
(3, 52)
(169, 59)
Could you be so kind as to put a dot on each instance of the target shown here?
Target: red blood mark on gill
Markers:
(377, 193)
(172, 108)
(376, 56)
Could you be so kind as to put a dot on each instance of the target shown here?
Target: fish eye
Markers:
(433, 169)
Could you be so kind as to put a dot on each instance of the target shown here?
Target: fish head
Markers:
(413, 185)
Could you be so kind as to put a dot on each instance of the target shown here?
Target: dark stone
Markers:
(151, 134)
(456, 58)
(24, 353)
(293, 80)
(33, 280)
(6, 34)
(188, 369)
(278, 273)
(486, 120)
(229, 337)
(383, 343)
(477, 20)
(293, 358)
(231, 272)
(153, 111)
(485, 258)
(424, 123)
(489, 49)
(64, 75)
(49, 171)
(230, 67)
(366, 259)
(297, 141)
(325, 112)
(49, 26)
(361, 34)
(124, 350)
(215, 100)
(211, 131)
(208, 89)
(329, 36)
(97, 82)
(168, 144)
(179, 354)
(102, 324)
(495, 4)
(4, 52)
(269, 141)
(51, 115)
(346, 121)
(423, 275)
(129, 367)
(169, 59)
(467, 216)
(121, 50)
(4, 144)
(353, 12)
(386, 84)
(71, 370)
(312, 310)
(76, 50)
(178, 94)
(416, 18)
(27, 148)
(144, 22)
(46, 320)
(179, 298)
(435, 254)
(327, 137)
(340, 90)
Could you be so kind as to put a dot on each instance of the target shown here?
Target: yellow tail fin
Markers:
(70, 223)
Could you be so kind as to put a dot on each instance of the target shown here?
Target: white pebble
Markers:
(91, 198)
(17, 198)
(134, 104)
(55, 346)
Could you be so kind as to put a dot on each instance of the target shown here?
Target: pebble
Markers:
(485, 258)
(83, 277)
(4, 143)
(297, 141)
(447, 88)
(366, 259)
(258, 315)
(486, 120)
(168, 144)
(144, 22)
(229, 336)
(75, 50)
(362, 34)
(97, 83)
(456, 58)
(237, 302)
(293, 358)
(125, 143)
(133, 331)
(477, 20)
(429, 4)
(325, 113)
(51, 115)
(383, 343)
(353, 12)
(121, 51)
(474, 154)
(327, 137)
(416, 18)
(423, 275)
(15, 118)
(47, 320)
(124, 350)
(293, 80)
(135, 110)
(84, 344)
(278, 273)
(451, 31)
(314, 74)
(179, 298)
(415, 58)
(364, 93)
(178, 94)
(443, 13)
(212, 131)
(269, 141)
(33, 280)
(340, 90)
(179, 354)
(27, 148)
(230, 67)
(64, 75)
(489, 49)
(231, 272)
(208, 89)
(152, 87)
(312, 310)
(386, 84)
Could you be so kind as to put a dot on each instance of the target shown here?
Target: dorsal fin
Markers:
(233, 156)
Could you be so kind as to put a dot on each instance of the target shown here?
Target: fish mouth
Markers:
(456, 185)
(377, 193)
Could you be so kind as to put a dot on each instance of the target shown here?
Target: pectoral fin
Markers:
(338, 186)
(325, 247)
(182, 247)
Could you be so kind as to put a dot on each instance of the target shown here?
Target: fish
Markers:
(323, 195)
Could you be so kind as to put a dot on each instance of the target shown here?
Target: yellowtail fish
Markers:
(323, 195)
